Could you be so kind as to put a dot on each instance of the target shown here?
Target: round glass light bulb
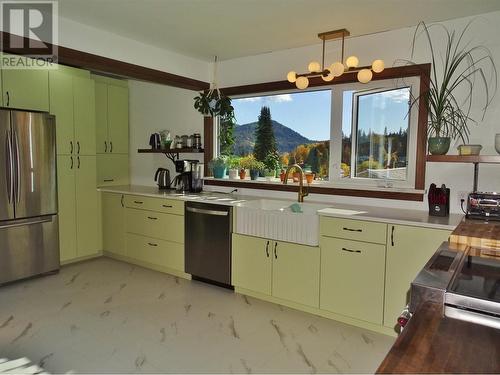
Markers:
(314, 67)
(329, 77)
(365, 75)
(291, 76)
(337, 69)
(352, 62)
(378, 66)
(302, 83)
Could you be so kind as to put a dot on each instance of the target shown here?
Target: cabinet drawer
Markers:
(169, 206)
(154, 251)
(155, 224)
(357, 230)
(352, 278)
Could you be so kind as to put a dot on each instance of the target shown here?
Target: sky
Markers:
(309, 112)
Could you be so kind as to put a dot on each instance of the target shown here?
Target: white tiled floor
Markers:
(107, 316)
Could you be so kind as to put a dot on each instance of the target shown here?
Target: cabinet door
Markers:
(87, 206)
(26, 88)
(61, 105)
(113, 223)
(251, 263)
(67, 206)
(408, 249)
(118, 119)
(352, 278)
(84, 116)
(112, 169)
(101, 117)
(296, 273)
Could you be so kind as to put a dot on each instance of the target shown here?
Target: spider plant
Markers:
(457, 73)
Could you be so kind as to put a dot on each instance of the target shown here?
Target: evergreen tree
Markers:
(226, 136)
(265, 143)
(313, 160)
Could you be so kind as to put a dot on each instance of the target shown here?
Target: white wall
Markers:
(390, 46)
(153, 108)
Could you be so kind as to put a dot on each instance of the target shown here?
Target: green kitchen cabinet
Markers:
(352, 278)
(252, 263)
(87, 206)
(84, 116)
(66, 207)
(112, 115)
(296, 273)
(61, 105)
(113, 223)
(112, 169)
(25, 88)
(118, 119)
(408, 250)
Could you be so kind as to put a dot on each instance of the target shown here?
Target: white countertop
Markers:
(369, 213)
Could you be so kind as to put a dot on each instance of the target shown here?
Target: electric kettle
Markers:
(162, 177)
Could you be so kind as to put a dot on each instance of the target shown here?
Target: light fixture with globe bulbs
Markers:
(328, 74)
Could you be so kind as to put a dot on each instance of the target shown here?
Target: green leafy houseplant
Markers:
(233, 164)
(218, 166)
(456, 73)
(214, 103)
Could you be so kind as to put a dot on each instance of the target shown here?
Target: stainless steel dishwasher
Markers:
(208, 229)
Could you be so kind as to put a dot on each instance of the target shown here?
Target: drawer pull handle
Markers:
(275, 253)
(267, 249)
(167, 206)
(352, 230)
(138, 202)
(108, 180)
(152, 218)
(351, 251)
(152, 244)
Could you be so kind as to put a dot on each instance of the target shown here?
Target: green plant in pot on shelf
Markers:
(233, 165)
(218, 166)
(459, 73)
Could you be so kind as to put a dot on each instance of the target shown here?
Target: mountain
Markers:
(286, 139)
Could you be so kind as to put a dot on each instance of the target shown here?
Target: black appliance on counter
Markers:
(208, 229)
(162, 178)
(190, 177)
(483, 206)
(439, 200)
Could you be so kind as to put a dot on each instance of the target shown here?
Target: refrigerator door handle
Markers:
(17, 168)
(10, 167)
(24, 223)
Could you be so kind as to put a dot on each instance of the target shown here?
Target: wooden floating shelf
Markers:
(171, 151)
(488, 159)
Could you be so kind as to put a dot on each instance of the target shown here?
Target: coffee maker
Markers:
(190, 177)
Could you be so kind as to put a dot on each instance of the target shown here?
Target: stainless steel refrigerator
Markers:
(29, 238)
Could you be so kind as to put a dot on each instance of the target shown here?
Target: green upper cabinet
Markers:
(296, 273)
(408, 249)
(26, 88)
(112, 115)
(84, 115)
(112, 169)
(61, 105)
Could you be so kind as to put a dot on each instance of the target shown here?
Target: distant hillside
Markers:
(286, 138)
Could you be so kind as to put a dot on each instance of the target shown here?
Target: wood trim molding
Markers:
(96, 63)
(208, 135)
(380, 194)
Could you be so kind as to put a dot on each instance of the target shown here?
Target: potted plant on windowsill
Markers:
(218, 166)
(256, 168)
(233, 165)
(455, 76)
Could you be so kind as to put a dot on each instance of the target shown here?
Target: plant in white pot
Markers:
(234, 165)
(459, 73)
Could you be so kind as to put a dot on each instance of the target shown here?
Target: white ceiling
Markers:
(236, 28)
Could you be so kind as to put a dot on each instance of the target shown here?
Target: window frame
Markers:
(421, 71)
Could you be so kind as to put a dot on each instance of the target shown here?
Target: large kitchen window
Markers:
(350, 135)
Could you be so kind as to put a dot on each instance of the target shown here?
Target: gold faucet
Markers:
(302, 189)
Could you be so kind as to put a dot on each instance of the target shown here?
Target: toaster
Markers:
(483, 206)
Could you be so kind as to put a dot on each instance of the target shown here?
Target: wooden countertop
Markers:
(431, 343)
(477, 233)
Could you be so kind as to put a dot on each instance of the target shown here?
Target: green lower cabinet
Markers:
(112, 169)
(408, 250)
(252, 263)
(352, 278)
(296, 273)
(156, 252)
(66, 207)
(87, 207)
(113, 223)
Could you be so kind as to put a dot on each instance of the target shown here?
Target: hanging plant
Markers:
(212, 102)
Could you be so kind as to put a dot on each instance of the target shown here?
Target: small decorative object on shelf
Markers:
(469, 149)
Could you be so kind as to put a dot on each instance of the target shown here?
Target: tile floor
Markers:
(105, 316)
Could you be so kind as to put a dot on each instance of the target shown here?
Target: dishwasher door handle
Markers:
(207, 212)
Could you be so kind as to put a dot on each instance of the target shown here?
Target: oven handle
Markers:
(207, 212)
